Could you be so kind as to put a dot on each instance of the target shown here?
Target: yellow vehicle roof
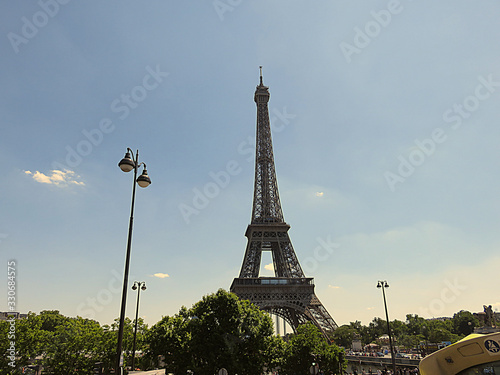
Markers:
(472, 350)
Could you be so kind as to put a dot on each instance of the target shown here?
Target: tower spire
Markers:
(266, 200)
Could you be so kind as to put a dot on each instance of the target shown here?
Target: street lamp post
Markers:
(127, 164)
(137, 285)
(383, 284)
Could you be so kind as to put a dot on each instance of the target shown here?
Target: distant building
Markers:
(383, 340)
(356, 345)
(10, 315)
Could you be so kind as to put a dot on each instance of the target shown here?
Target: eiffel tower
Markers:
(290, 294)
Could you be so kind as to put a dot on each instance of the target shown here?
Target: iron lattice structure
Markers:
(290, 294)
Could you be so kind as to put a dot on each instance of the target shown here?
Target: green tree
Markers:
(170, 339)
(332, 359)
(72, 347)
(414, 324)
(218, 331)
(51, 319)
(28, 339)
(463, 323)
(376, 328)
(408, 341)
(344, 335)
(235, 333)
(274, 353)
(308, 346)
(107, 343)
(128, 338)
(398, 328)
(303, 349)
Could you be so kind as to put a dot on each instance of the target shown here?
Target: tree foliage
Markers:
(220, 331)
(344, 336)
(464, 323)
(308, 348)
(412, 332)
(63, 345)
(73, 345)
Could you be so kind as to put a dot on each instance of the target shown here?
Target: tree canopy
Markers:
(410, 333)
(63, 345)
(220, 331)
(308, 348)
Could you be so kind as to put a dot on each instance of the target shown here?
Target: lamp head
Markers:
(382, 284)
(143, 180)
(126, 164)
(143, 286)
(134, 287)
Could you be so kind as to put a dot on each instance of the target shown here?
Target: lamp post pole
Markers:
(127, 164)
(383, 284)
(137, 285)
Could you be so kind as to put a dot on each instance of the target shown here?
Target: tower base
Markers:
(293, 299)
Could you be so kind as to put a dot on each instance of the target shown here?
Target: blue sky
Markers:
(385, 127)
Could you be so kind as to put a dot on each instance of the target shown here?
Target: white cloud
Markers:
(269, 267)
(161, 275)
(306, 196)
(57, 178)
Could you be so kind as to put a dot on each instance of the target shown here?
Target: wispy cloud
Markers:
(161, 275)
(333, 287)
(56, 177)
(269, 267)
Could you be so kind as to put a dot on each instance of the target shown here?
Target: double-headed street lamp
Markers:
(138, 285)
(127, 164)
(383, 284)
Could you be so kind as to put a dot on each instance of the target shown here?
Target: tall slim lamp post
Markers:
(383, 284)
(127, 164)
(138, 285)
